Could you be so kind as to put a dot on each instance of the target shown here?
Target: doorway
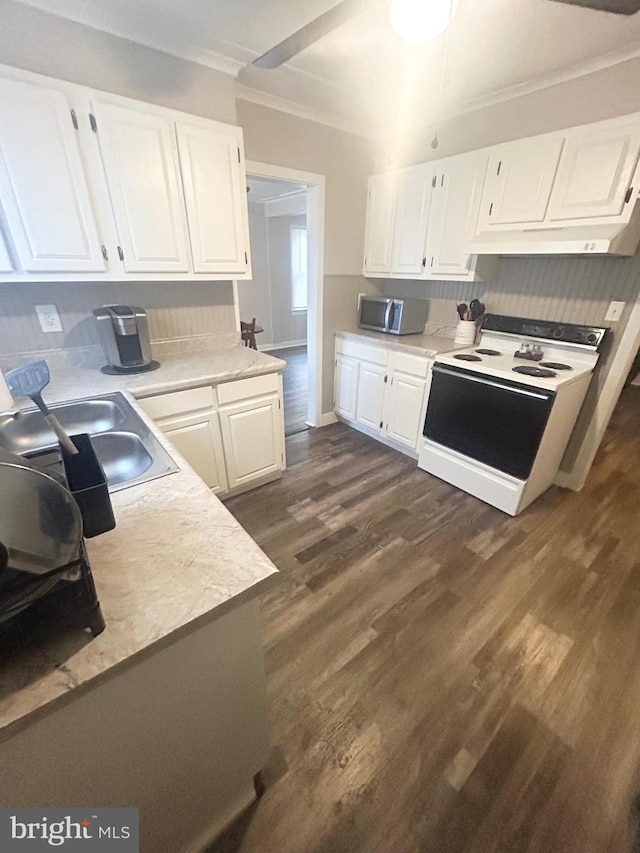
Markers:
(294, 201)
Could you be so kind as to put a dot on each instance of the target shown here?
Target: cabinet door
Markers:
(595, 173)
(379, 228)
(412, 212)
(216, 197)
(140, 159)
(371, 382)
(453, 218)
(519, 181)
(403, 408)
(43, 189)
(5, 260)
(251, 435)
(197, 437)
(346, 386)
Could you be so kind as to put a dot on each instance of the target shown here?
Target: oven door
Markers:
(494, 421)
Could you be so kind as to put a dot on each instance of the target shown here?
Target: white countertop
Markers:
(176, 371)
(429, 345)
(176, 558)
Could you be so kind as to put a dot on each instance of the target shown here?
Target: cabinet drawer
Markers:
(416, 365)
(241, 389)
(178, 402)
(376, 355)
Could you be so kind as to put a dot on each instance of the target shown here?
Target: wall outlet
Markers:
(614, 311)
(49, 318)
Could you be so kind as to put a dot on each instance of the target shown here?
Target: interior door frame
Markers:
(315, 249)
(606, 403)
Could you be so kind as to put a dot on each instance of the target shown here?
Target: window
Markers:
(298, 268)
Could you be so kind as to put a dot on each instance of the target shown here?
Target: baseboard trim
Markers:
(285, 345)
(327, 419)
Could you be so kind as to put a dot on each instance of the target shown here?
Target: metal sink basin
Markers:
(123, 457)
(30, 430)
(128, 451)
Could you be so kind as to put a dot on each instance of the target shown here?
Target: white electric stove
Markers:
(500, 414)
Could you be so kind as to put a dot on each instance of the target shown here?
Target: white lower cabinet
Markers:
(370, 401)
(346, 386)
(404, 409)
(382, 391)
(197, 437)
(232, 435)
(251, 437)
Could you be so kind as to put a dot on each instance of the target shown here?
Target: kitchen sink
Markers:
(127, 449)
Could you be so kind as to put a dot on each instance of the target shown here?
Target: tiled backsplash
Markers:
(176, 310)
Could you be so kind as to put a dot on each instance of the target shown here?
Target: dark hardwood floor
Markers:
(296, 400)
(442, 677)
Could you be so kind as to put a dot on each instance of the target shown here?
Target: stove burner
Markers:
(531, 370)
(467, 356)
(488, 352)
(556, 365)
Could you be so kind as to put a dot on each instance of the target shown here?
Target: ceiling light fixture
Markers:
(421, 21)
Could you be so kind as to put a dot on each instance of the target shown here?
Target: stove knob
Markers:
(592, 338)
(558, 332)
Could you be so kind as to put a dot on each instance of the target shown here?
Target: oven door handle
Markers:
(489, 380)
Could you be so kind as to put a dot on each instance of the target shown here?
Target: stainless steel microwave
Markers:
(396, 316)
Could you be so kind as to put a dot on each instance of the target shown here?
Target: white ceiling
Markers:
(361, 76)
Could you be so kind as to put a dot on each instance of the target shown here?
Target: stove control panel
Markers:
(566, 332)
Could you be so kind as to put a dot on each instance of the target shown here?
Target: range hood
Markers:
(613, 238)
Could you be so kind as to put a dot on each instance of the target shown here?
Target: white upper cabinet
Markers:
(519, 181)
(455, 205)
(140, 159)
(413, 195)
(5, 260)
(595, 173)
(215, 193)
(43, 190)
(379, 227)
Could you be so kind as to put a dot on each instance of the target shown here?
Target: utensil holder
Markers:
(466, 332)
(88, 485)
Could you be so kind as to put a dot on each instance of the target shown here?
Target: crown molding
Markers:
(200, 56)
(275, 102)
(520, 90)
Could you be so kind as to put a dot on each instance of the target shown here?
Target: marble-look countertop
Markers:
(177, 371)
(429, 345)
(176, 559)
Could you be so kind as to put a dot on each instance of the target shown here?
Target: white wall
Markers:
(43, 43)
(600, 95)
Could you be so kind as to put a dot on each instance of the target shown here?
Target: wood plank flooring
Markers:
(296, 396)
(442, 677)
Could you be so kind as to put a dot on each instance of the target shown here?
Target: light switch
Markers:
(614, 311)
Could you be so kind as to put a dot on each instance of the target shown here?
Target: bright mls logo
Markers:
(82, 830)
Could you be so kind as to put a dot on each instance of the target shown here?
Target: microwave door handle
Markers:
(392, 314)
(387, 313)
